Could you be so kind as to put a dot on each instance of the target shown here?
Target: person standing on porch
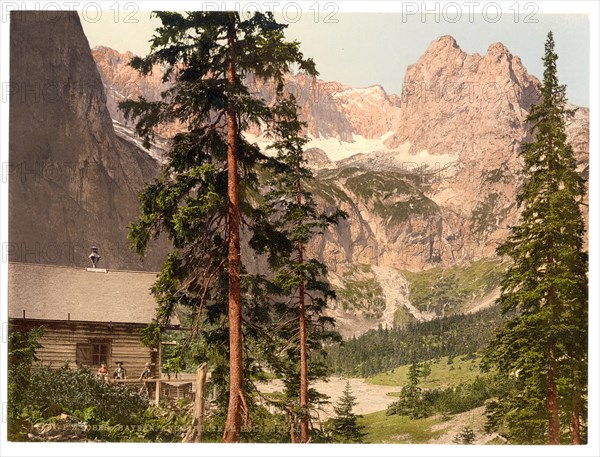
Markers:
(120, 372)
(102, 373)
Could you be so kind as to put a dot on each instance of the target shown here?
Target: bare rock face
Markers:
(317, 106)
(122, 82)
(331, 109)
(471, 106)
(464, 104)
(73, 182)
(474, 108)
(434, 176)
(317, 158)
(371, 111)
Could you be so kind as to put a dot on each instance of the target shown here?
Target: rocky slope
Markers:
(428, 179)
(443, 192)
(332, 110)
(73, 181)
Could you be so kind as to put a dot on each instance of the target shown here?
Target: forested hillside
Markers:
(385, 348)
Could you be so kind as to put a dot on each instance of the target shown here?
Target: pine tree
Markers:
(426, 370)
(465, 436)
(344, 426)
(299, 278)
(210, 179)
(411, 402)
(544, 291)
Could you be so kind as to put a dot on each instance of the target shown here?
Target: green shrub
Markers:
(107, 412)
(466, 436)
(75, 390)
(22, 347)
(417, 403)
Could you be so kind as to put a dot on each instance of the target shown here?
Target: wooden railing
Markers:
(156, 382)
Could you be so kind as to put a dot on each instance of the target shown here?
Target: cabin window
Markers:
(93, 354)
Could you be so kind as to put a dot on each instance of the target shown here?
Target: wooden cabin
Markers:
(90, 315)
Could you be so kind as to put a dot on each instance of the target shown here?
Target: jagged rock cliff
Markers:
(73, 182)
(332, 110)
(428, 180)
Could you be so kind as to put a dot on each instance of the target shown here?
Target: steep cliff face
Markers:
(474, 108)
(488, 97)
(122, 82)
(73, 182)
(332, 110)
(336, 111)
(428, 180)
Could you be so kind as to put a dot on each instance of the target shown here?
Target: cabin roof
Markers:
(53, 292)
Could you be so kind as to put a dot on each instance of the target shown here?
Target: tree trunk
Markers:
(553, 423)
(292, 425)
(303, 368)
(304, 435)
(552, 393)
(575, 424)
(233, 423)
(194, 435)
(575, 421)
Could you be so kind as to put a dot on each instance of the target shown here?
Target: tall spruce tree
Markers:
(411, 402)
(545, 290)
(210, 181)
(298, 278)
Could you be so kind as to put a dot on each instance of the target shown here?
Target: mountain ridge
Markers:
(428, 178)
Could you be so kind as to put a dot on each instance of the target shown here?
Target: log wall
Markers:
(60, 341)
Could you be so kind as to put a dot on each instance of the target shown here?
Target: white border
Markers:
(114, 449)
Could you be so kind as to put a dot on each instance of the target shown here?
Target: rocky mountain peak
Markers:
(441, 53)
(498, 49)
(112, 55)
(447, 87)
(332, 110)
(473, 108)
(428, 179)
(499, 60)
(445, 42)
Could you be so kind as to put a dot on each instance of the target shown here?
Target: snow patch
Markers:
(338, 150)
(369, 151)
(157, 150)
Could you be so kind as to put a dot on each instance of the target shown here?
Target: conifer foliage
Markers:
(543, 345)
(344, 426)
(207, 198)
(297, 279)
(411, 402)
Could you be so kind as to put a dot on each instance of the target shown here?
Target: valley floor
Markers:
(370, 398)
(382, 429)
(372, 402)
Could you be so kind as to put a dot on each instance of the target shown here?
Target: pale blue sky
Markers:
(364, 49)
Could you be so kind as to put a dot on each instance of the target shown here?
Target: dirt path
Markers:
(370, 398)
